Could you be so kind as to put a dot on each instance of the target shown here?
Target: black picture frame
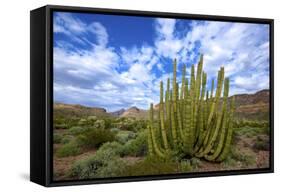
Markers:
(41, 94)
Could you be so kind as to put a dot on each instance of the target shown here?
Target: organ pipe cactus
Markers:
(192, 119)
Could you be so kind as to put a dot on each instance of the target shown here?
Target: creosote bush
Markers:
(57, 138)
(154, 165)
(137, 146)
(106, 162)
(68, 149)
(94, 137)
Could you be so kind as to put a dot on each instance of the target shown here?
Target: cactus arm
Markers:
(183, 81)
(228, 139)
(167, 101)
(186, 89)
(187, 122)
(152, 132)
(223, 127)
(162, 120)
(149, 141)
(192, 95)
(201, 112)
(213, 108)
(212, 88)
(175, 81)
(213, 136)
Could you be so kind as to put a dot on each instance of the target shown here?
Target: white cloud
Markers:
(100, 32)
(167, 44)
(75, 29)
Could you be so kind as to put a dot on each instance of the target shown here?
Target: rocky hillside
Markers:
(117, 113)
(253, 106)
(68, 110)
(250, 99)
(135, 112)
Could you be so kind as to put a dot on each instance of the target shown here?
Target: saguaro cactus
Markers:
(193, 120)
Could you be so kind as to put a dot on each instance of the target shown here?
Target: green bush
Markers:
(245, 159)
(69, 149)
(100, 124)
(113, 148)
(250, 131)
(113, 168)
(85, 168)
(262, 143)
(76, 130)
(154, 166)
(185, 166)
(105, 163)
(195, 162)
(61, 126)
(249, 123)
(82, 122)
(137, 146)
(92, 118)
(95, 137)
(124, 136)
(57, 138)
(130, 124)
(66, 139)
(229, 162)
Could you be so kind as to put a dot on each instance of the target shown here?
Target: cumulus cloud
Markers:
(167, 44)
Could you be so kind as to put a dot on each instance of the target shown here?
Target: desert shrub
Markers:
(61, 126)
(85, 168)
(130, 124)
(66, 139)
(92, 118)
(195, 162)
(82, 122)
(77, 130)
(108, 123)
(250, 131)
(137, 146)
(115, 130)
(105, 163)
(262, 143)
(100, 124)
(94, 137)
(249, 123)
(245, 159)
(153, 166)
(69, 149)
(229, 162)
(114, 148)
(113, 168)
(185, 166)
(124, 136)
(57, 138)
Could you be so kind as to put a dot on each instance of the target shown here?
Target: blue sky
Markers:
(117, 62)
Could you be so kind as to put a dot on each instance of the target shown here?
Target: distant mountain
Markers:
(253, 106)
(248, 99)
(68, 110)
(136, 113)
(117, 113)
